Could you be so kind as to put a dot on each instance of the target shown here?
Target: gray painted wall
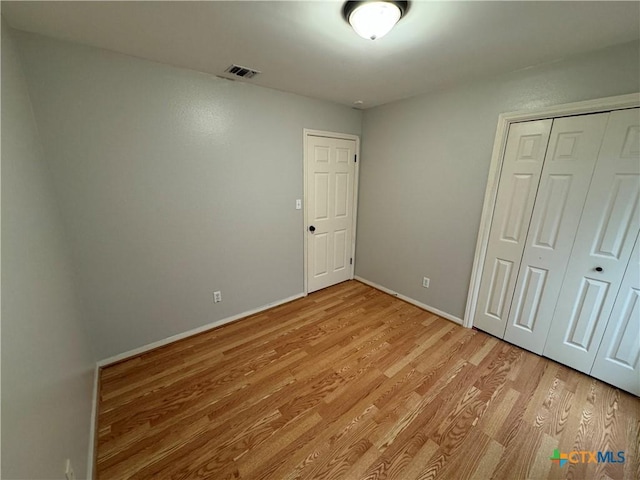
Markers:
(173, 184)
(425, 162)
(47, 367)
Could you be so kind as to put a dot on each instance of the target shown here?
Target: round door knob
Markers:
(599, 269)
(312, 229)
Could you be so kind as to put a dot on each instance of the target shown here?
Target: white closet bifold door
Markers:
(523, 158)
(604, 240)
(566, 175)
(618, 358)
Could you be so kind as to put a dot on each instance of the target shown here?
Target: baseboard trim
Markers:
(410, 300)
(161, 343)
(93, 430)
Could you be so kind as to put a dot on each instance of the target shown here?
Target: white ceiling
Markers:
(306, 47)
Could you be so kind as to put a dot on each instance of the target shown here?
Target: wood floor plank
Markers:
(462, 467)
(351, 383)
(489, 461)
(518, 458)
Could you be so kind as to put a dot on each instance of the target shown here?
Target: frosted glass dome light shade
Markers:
(373, 19)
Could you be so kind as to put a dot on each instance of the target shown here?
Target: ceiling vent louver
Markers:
(242, 72)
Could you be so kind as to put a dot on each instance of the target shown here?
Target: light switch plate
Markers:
(298, 204)
(68, 471)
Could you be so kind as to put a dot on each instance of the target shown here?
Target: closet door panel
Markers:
(523, 159)
(605, 237)
(618, 358)
(569, 164)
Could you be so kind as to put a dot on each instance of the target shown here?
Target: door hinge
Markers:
(351, 261)
(355, 158)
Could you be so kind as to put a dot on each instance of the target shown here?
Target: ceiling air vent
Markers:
(242, 72)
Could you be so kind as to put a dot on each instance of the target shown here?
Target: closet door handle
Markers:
(598, 269)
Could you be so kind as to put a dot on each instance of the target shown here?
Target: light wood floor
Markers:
(353, 383)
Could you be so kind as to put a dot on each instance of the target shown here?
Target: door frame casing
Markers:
(307, 132)
(599, 105)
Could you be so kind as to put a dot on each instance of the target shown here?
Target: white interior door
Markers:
(618, 358)
(330, 177)
(521, 169)
(566, 175)
(603, 244)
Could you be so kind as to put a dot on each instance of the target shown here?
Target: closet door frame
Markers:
(504, 121)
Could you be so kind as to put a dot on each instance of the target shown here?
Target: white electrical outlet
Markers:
(217, 296)
(425, 282)
(298, 204)
(68, 471)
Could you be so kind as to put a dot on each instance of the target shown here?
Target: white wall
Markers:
(47, 366)
(173, 184)
(425, 162)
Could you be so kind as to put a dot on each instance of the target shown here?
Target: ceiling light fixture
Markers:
(373, 19)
